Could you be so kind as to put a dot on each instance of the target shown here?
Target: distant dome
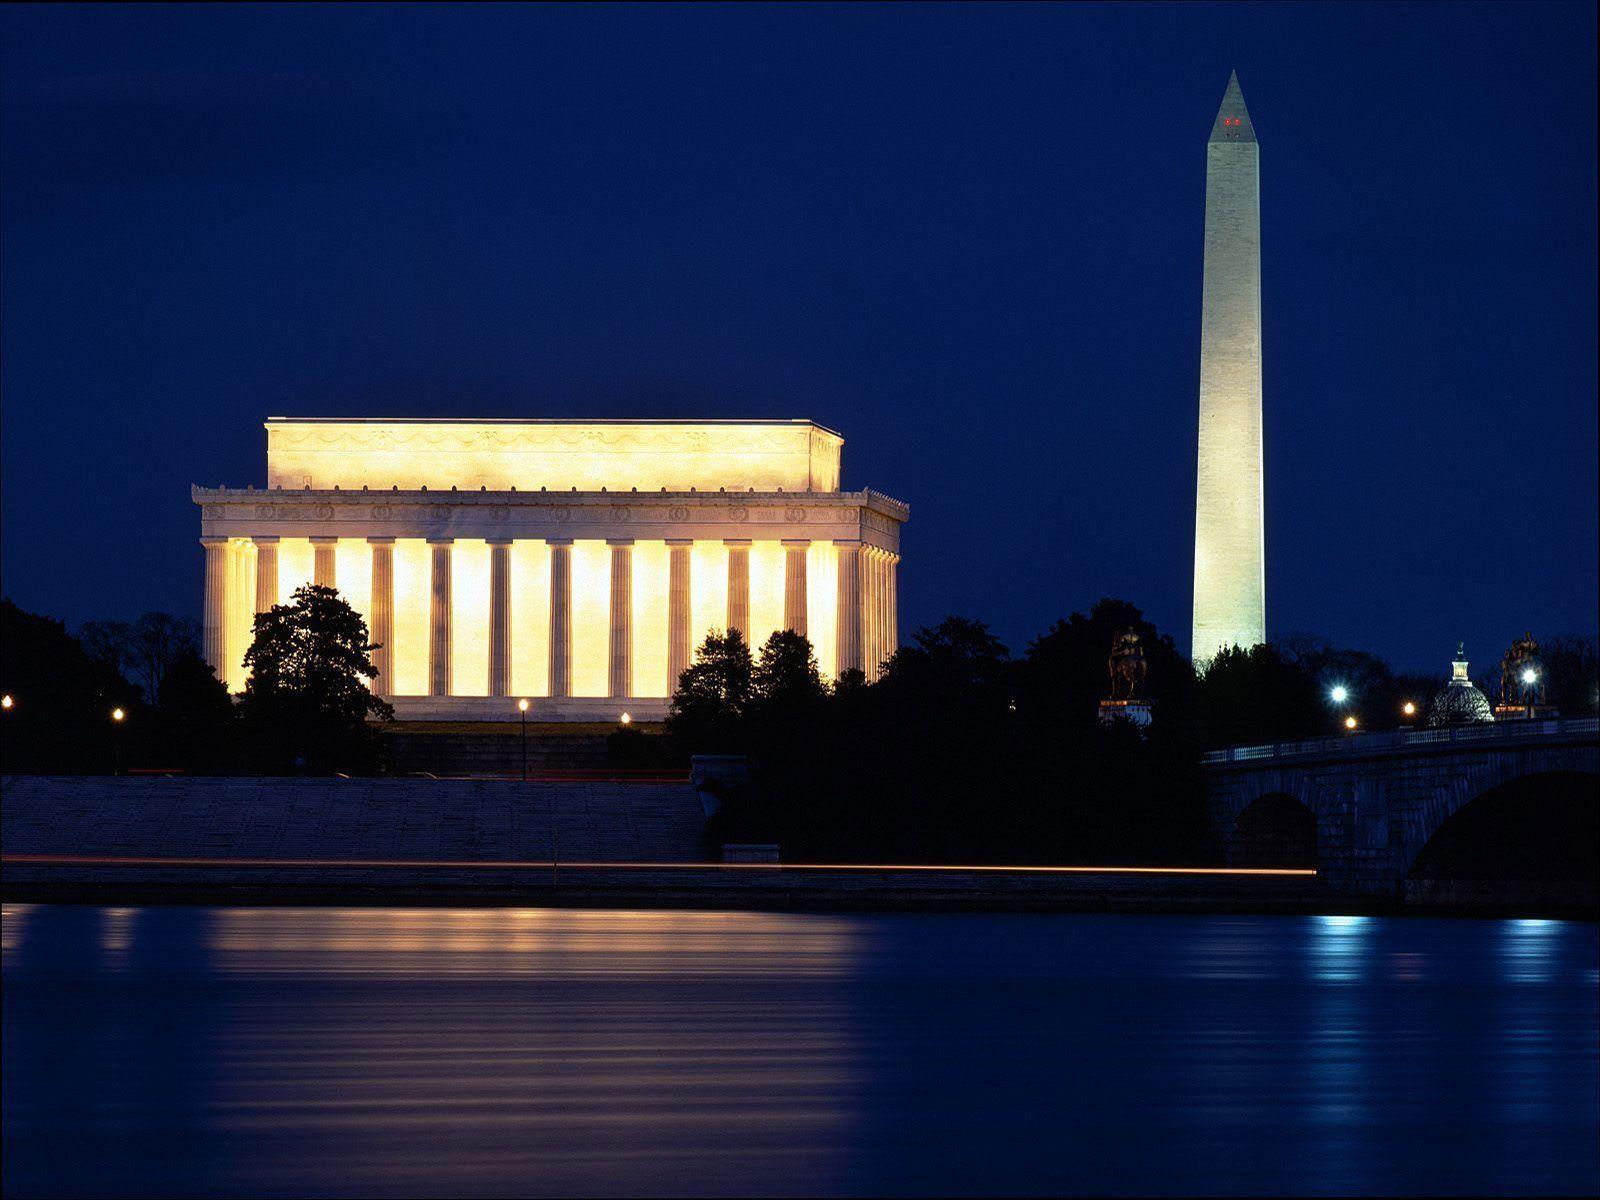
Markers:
(1459, 702)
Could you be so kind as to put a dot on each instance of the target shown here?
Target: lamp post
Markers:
(117, 717)
(1529, 678)
(522, 707)
(7, 703)
(1339, 694)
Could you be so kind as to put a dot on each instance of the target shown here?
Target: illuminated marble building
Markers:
(577, 565)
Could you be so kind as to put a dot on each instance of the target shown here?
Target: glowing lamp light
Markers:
(1339, 694)
(7, 703)
(522, 706)
(626, 719)
(117, 714)
(1349, 722)
(1409, 709)
(1529, 675)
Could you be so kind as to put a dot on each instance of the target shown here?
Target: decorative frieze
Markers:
(235, 512)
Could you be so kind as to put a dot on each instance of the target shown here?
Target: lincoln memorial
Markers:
(577, 565)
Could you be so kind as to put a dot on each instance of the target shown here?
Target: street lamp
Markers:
(117, 717)
(522, 707)
(627, 719)
(7, 703)
(1338, 694)
(1529, 678)
(1350, 724)
(1409, 709)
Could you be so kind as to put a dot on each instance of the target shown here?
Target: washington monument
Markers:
(1230, 604)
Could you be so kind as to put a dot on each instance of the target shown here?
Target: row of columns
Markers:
(865, 629)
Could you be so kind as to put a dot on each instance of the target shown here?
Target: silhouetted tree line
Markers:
(305, 709)
(959, 752)
(963, 752)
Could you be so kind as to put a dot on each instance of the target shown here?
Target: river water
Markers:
(434, 1052)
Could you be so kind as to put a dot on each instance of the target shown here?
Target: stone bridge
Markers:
(1375, 799)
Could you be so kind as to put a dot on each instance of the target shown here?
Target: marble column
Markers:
(215, 625)
(324, 573)
(880, 626)
(894, 603)
(439, 619)
(794, 584)
(879, 633)
(266, 572)
(621, 617)
(847, 627)
(869, 611)
(382, 631)
(739, 585)
(561, 617)
(679, 647)
(499, 616)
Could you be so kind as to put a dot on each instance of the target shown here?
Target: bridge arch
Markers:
(1274, 830)
(1482, 775)
(1531, 825)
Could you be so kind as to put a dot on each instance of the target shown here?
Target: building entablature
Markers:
(864, 516)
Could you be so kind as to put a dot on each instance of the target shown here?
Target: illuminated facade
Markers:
(1230, 593)
(577, 565)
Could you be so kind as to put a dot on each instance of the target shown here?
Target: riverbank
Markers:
(659, 885)
(609, 843)
(748, 887)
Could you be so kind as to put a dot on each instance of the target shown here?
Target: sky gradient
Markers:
(968, 238)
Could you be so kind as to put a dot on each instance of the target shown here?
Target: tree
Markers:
(307, 702)
(786, 675)
(1572, 673)
(143, 650)
(958, 657)
(60, 719)
(1374, 693)
(156, 643)
(713, 693)
(195, 719)
(1255, 695)
(106, 643)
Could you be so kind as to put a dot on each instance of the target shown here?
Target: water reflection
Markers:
(1339, 947)
(401, 942)
(1528, 950)
(527, 1051)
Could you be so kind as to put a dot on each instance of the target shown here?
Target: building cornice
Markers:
(574, 422)
(424, 512)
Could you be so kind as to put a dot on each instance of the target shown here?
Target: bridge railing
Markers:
(1399, 739)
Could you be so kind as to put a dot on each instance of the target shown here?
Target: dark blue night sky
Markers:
(966, 237)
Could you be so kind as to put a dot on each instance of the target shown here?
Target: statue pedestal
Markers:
(1136, 711)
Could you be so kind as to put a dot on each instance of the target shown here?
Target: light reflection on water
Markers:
(513, 1051)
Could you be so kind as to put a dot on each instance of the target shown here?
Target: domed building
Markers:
(1459, 702)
